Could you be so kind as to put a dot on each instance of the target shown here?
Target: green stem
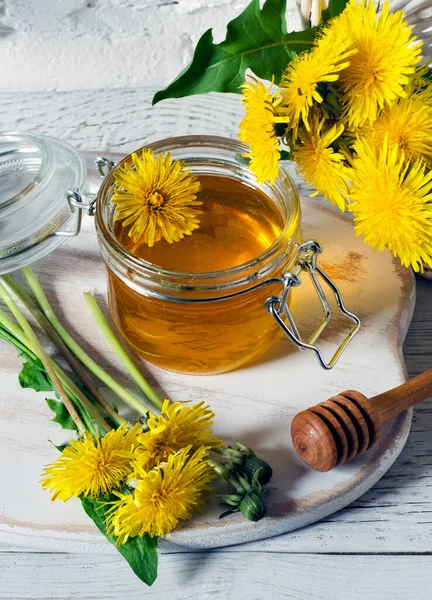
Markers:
(221, 451)
(87, 420)
(220, 470)
(225, 474)
(26, 327)
(56, 339)
(120, 351)
(16, 332)
(8, 337)
(74, 390)
(109, 381)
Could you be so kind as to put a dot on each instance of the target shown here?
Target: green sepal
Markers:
(139, 552)
(257, 39)
(256, 467)
(33, 375)
(225, 514)
(62, 416)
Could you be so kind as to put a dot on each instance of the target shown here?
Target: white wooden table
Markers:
(378, 548)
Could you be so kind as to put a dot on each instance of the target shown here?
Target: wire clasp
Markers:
(278, 307)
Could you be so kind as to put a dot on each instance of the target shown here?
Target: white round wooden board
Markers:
(254, 405)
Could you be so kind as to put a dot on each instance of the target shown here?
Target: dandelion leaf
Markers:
(62, 416)
(257, 39)
(335, 8)
(139, 552)
(33, 375)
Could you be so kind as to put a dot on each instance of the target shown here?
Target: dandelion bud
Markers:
(252, 507)
(253, 464)
(247, 496)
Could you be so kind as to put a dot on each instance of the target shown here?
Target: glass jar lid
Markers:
(37, 173)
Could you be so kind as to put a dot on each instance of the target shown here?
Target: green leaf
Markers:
(34, 376)
(60, 447)
(335, 8)
(62, 417)
(139, 552)
(256, 39)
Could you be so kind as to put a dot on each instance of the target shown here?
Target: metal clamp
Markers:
(78, 207)
(104, 165)
(278, 307)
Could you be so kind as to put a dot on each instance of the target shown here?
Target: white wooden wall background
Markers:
(46, 44)
(379, 548)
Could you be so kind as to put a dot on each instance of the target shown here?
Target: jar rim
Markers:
(198, 142)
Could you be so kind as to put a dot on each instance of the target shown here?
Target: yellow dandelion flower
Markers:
(300, 81)
(257, 129)
(168, 494)
(392, 203)
(92, 466)
(178, 426)
(156, 198)
(322, 166)
(407, 123)
(387, 54)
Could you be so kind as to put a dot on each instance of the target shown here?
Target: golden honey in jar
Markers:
(197, 306)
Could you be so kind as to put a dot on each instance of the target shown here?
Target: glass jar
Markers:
(208, 322)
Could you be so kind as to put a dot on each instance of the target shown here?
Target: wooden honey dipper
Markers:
(345, 426)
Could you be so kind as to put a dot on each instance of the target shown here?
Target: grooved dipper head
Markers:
(335, 431)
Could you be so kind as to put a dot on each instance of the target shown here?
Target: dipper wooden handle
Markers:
(337, 430)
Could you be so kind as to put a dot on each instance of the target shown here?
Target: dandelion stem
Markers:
(16, 332)
(15, 335)
(120, 351)
(109, 381)
(87, 420)
(26, 327)
(74, 390)
(219, 469)
(75, 365)
(9, 337)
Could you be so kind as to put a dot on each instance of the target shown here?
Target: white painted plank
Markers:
(117, 119)
(211, 575)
